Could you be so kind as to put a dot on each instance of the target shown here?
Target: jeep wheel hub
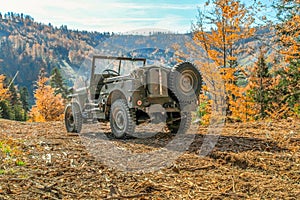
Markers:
(120, 119)
(186, 82)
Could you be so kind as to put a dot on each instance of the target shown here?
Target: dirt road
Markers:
(250, 160)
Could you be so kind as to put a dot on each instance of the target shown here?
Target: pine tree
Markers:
(14, 105)
(19, 113)
(285, 96)
(7, 112)
(57, 82)
(13, 93)
(24, 98)
(48, 107)
(14, 101)
(260, 83)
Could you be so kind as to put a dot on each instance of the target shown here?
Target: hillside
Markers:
(257, 160)
(27, 46)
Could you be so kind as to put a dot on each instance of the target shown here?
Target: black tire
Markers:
(122, 120)
(185, 82)
(181, 125)
(73, 118)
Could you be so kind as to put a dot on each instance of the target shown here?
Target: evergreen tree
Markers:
(7, 112)
(285, 96)
(260, 84)
(13, 93)
(14, 104)
(19, 113)
(57, 82)
(24, 98)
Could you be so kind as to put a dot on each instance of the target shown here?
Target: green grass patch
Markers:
(20, 163)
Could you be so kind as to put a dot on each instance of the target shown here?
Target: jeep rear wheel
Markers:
(185, 82)
(121, 119)
(73, 119)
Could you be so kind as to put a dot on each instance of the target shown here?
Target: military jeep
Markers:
(127, 92)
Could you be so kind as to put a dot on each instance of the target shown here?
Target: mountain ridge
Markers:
(27, 46)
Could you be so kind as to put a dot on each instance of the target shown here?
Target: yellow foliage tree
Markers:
(230, 24)
(288, 30)
(4, 94)
(48, 107)
(286, 95)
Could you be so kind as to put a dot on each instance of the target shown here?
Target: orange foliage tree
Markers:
(48, 107)
(4, 94)
(230, 23)
(288, 29)
(286, 93)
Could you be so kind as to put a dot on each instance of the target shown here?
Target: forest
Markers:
(268, 87)
(250, 65)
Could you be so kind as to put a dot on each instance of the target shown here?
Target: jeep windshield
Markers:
(121, 65)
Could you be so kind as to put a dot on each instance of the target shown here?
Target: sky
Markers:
(118, 16)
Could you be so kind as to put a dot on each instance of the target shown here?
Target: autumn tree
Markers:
(5, 110)
(48, 106)
(4, 94)
(288, 29)
(286, 94)
(230, 24)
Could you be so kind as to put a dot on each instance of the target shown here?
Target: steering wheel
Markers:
(111, 72)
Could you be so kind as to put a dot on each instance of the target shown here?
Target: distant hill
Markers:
(27, 46)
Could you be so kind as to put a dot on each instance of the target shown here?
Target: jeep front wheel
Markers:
(121, 119)
(73, 119)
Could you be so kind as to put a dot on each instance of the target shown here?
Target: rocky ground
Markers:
(259, 160)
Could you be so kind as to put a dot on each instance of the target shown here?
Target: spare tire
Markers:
(185, 82)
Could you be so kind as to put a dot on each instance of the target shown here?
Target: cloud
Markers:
(155, 6)
(102, 15)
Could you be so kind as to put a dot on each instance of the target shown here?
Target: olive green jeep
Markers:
(127, 92)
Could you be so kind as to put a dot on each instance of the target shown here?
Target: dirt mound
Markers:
(250, 160)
